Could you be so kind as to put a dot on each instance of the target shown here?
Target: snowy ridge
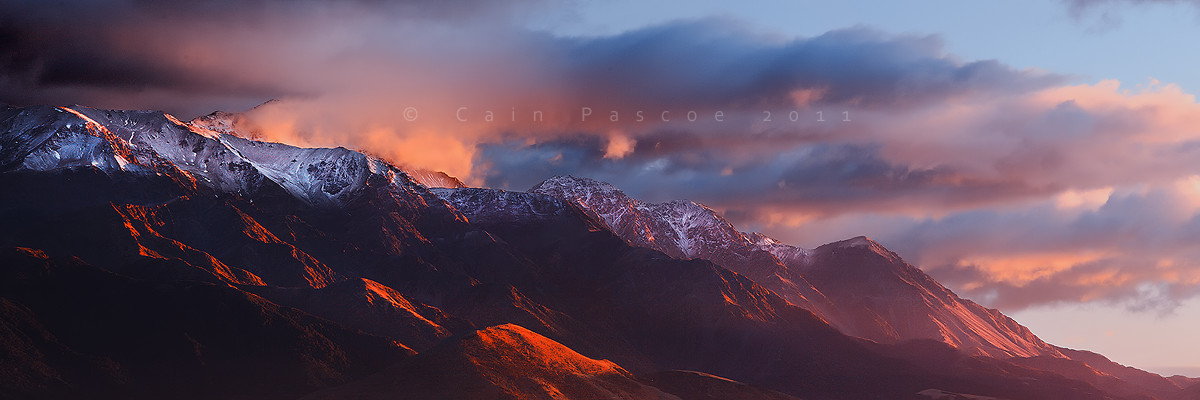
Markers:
(679, 228)
(153, 142)
(194, 150)
(317, 176)
(59, 138)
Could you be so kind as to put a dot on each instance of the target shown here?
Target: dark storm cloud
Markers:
(77, 51)
(80, 46)
(717, 64)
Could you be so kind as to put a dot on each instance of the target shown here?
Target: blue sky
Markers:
(1128, 42)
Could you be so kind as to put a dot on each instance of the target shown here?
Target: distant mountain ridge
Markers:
(147, 257)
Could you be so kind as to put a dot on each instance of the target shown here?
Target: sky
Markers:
(1034, 156)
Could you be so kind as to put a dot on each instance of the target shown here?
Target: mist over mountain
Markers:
(148, 257)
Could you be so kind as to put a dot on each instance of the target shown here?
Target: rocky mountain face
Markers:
(146, 257)
(885, 297)
(864, 289)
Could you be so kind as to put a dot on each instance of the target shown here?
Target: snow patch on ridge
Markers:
(690, 228)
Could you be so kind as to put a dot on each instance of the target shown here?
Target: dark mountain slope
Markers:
(184, 339)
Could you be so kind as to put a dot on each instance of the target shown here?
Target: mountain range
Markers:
(148, 257)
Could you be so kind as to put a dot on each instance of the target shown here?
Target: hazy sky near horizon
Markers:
(1035, 156)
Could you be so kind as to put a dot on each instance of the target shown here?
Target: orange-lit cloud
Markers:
(618, 146)
(1020, 268)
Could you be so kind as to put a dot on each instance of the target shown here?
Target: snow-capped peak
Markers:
(585, 191)
(569, 181)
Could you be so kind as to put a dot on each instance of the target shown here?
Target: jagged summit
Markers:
(601, 198)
